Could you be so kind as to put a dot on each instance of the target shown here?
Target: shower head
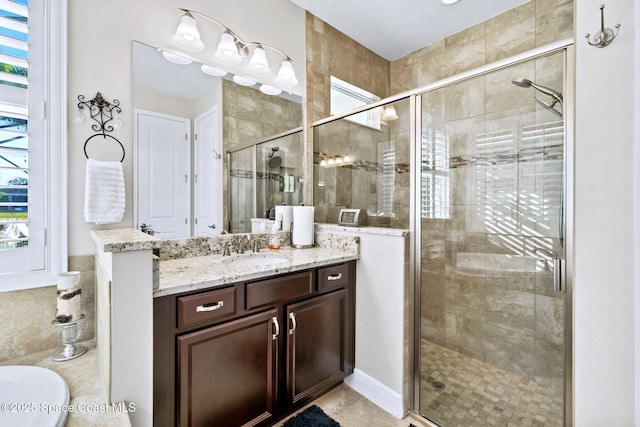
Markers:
(550, 106)
(273, 151)
(522, 82)
(274, 161)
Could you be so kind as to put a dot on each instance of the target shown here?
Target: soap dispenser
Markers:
(274, 238)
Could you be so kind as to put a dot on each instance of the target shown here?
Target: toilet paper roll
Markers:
(302, 233)
(284, 216)
(69, 304)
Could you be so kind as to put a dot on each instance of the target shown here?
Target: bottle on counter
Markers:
(274, 238)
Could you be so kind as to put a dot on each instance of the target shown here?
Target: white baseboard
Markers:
(376, 392)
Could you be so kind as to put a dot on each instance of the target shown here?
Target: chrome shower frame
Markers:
(415, 102)
(567, 47)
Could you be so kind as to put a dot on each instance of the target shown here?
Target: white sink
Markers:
(255, 259)
(35, 397)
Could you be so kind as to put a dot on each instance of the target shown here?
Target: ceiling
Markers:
(395, 28)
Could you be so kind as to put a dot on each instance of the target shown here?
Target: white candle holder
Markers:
(68, 335)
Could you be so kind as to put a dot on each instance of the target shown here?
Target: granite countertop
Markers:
(123, 239)
(189, 274)
(86, 388)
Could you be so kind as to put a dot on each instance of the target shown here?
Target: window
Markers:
(435, 192)
(32, 135)
(345, 97)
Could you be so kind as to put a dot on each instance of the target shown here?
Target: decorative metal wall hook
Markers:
(102, 112)
(605, 36)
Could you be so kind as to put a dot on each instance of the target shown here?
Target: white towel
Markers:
(104, 194)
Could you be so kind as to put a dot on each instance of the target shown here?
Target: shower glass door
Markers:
(491, 226)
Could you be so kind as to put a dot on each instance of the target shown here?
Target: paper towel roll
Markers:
(302, 234)
(284, 216)
(69, 305)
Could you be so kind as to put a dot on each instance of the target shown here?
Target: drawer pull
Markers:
(277, 325)
(293, 323)
(209, 307)
(334, 276)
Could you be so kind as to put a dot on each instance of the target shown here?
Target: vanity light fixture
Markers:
(232, 50)
(270, 90)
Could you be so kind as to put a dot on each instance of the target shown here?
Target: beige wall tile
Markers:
(511, 32)
(465, 50)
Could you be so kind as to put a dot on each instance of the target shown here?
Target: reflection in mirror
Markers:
(277, 180)
(185, 120)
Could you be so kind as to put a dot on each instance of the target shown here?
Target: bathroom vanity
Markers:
(252, 352)
(242, 339)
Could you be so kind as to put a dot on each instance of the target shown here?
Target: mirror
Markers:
(185, 123)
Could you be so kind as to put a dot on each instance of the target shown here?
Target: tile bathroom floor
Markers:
(351, 409)
(459, 391)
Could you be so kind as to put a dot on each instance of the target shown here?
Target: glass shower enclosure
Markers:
(476, 168)
(262, 176)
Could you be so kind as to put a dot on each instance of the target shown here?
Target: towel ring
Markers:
(105, 136)
(102, 112)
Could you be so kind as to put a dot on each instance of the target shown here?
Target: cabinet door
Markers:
(316, 345)
(227, 373)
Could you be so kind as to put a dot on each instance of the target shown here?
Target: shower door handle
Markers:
(558, 275)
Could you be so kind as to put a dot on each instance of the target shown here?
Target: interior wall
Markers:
(605, 219)
(100, 35)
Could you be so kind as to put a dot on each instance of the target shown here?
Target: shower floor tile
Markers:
(459, 391)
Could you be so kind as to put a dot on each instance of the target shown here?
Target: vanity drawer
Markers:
(333, 277)
(205, 306)
(279, 289)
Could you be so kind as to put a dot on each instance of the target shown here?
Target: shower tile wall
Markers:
(532, 24)
(249, 117)
(486, 292)
(332, 53)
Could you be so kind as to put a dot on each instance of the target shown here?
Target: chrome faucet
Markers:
(240, 245)
(256, 244)
(225, 249)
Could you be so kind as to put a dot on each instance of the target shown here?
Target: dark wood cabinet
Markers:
(316, 344)
(227, 373)
(258, 351)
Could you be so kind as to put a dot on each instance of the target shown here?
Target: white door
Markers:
(162, 173)
(207, 164)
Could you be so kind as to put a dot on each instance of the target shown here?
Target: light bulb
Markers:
(338, 160)
(331, 162)
(227, 51)
(259, 63)
(287, 75)
(187, 35)
(347, 158)
(323, 163)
